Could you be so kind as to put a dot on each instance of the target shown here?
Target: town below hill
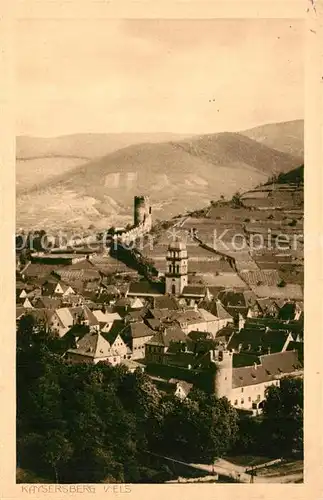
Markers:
(187, 332)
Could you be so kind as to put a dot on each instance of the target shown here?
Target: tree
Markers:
(283, 412)
(57, 451)
(236, 200)
(200, 428)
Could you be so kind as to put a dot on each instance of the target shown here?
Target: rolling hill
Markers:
(179, 175)
(83, 146)
(43, 158)
(287, 137)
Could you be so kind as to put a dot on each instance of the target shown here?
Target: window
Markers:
(242, 401)
(177, 268)
(170, 268)
(249, 399)
(241, 389)
(236, 402)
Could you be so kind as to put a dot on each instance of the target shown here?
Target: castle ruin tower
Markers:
(176, 270)
(142, 212)
(223, 375)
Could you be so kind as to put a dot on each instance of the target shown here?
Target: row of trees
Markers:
(97, 423)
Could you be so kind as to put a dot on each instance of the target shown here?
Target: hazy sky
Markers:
(107, 75)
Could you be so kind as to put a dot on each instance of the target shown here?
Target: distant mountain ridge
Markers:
(83, 146)
(287, 137)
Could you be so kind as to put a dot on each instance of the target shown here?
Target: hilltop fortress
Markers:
(142, 221)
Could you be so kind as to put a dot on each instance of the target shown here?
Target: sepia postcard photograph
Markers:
(159, 252)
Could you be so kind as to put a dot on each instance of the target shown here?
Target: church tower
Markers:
(176, 270)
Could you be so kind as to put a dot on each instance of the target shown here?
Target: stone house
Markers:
(137, 334)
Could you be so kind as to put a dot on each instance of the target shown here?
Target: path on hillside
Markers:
(225, 468)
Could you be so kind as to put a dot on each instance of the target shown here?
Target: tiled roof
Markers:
(105, 317)
(206, 315)
(164, 338)
(223, 281)
(165, 302)
(139, 330)
(93, 345)
(196, 335)
(137, 315)
(258, 341)
(20, 311)
(123, 302)
(145, 288)
(42, 315)
(258, 278)
(65, 317)
(153, 323)
(185, 386)
(244, 359)
(299, 347)
(48, 303)
(189, 316)
(136, 303)
(261, 323)
(118, 327)
(289, 291)
(215, 308)
(288, 310)
(49, 288)
(110, 289)
(194, 291)
(271, 367)
(226, 331)
(267, 304)
(111, 336)
(234, 298)
(38, 271)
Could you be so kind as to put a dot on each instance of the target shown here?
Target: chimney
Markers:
(255, 366)
(269, 349)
